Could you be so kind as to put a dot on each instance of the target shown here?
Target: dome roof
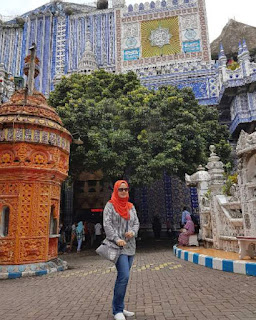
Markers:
(31, 109)
(28, 118)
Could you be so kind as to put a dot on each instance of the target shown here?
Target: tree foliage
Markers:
(131, 132)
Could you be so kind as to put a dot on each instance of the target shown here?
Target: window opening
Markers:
(4, 222)
(53, 221)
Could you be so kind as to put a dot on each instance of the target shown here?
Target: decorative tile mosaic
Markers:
(10, 135)
(19, 134)
(52, 138)
(160, 37)
(28, 134)
(36, 136)
(44, 137)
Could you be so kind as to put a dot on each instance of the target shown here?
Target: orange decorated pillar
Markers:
(34, 161)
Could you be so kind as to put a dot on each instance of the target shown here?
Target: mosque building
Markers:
(164, 42)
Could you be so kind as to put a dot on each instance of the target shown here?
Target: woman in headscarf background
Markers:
(188, 230)
(121, 226)
(79, 235)
(73, 236)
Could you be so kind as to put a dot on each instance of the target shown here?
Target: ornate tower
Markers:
(88, 62)
(222, 65)
(244, 58)
(34, 157)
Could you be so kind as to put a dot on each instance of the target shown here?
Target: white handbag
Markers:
(109, 251)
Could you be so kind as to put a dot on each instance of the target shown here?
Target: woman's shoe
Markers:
(128, 313)
(119, 316)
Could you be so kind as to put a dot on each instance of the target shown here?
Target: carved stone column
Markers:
(216, 171)
(201, 180)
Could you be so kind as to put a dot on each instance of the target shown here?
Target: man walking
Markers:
(98, 233)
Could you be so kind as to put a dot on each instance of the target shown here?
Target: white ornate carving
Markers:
(6, 84)
(160, 37)
(230, 216)
(118, 3)
(60, 47)
(189, 22)
(130, 35)
(201, 180)
(246, 143)
(131, 30)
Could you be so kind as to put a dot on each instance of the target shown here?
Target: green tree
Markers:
(130, 131)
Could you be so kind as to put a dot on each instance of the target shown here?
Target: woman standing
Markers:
(121, 226)
(188, 230)
(79, 235)
(73, 236)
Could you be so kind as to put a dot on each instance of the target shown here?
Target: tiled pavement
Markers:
(161, 287)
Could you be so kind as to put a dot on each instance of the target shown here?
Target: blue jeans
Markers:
(123, 267)
(79, 243)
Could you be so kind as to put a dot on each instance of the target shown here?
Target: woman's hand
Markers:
(120, 243)
(129, 235)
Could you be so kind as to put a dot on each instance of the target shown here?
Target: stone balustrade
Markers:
(227, 219)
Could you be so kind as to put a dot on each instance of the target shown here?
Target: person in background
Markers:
(73, 236)
(68, 233)
(86, 233)
(185, 212)
(195, 218)
(62, 244)
(91, 233)
(121, 226)
(79, 235)
(98, 233)
(168, 228)
(187, 231)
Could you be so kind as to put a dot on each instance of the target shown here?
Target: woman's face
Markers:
(123, 190)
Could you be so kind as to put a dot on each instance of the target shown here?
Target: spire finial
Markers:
(88, 44)
(31, 68)
(221, 52)
(240, 48)
(245, 49)
(31, 71)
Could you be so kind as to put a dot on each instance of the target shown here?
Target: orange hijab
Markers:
(121, 205)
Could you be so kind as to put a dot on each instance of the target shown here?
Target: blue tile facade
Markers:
(51, 27)
(166, 198)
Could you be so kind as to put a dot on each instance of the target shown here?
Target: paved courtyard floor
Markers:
(161, 287)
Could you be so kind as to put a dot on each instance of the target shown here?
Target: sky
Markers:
(218, 11)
